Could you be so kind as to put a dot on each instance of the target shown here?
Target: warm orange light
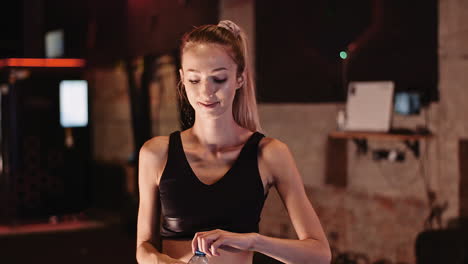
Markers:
(58, 63)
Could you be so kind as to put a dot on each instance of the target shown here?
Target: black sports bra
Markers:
(234, 203)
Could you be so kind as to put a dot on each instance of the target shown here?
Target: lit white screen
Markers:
(74, 103)
(54, 44)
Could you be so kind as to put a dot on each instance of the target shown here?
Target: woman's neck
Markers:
(216, 134)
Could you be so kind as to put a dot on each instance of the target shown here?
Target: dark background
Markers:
(298, 46)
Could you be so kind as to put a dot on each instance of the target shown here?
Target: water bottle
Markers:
(198, 258)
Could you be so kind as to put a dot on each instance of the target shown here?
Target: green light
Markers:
(343, 55)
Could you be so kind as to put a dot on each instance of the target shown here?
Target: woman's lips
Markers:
(208, 105)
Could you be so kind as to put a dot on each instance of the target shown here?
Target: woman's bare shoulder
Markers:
(156, 146)
(271, 147)
(153, 155)
(276, 158)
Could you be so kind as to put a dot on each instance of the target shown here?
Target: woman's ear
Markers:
(240, 80)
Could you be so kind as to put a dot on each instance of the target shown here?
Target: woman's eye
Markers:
(193, 81)
(219, 80)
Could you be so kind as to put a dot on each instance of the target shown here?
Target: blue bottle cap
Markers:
(199, 253)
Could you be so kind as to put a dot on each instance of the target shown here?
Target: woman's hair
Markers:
(229, 35)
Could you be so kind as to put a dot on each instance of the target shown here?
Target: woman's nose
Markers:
(208, 89)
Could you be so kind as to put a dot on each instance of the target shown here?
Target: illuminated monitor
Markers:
(407, 103)
(74, 103)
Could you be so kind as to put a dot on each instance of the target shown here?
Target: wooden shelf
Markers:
(378, 135)
(337, 159)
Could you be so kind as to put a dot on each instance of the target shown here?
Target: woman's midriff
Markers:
(182, 249)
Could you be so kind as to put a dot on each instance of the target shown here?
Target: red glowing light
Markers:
(45, 63)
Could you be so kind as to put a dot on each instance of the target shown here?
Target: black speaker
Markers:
(41, 174)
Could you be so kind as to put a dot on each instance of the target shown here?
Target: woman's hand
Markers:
(210, 241)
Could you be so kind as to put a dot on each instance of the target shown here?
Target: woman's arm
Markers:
(312, 245)
(152, 160)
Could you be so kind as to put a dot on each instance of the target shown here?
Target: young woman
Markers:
(212, 179)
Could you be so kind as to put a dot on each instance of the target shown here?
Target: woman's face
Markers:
(209, 76)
